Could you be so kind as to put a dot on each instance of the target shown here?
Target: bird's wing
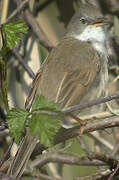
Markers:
(74, 86)
(72, 76)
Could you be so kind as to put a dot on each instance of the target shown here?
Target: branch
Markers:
(115, 149)
(104, 158)
(83, 145)
(40, 7)
(67, 158)
(35, 27)
(114, 172)
(64, 158)
(27, 146)
(22, 62)
(97, 176)
(37, 30)
(6, 153)
(17, 10)
(101, 140)
(6, 177)
(90, 104)
(65, 134)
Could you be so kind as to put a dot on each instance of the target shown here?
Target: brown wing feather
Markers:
(74, 87)
(68, 74)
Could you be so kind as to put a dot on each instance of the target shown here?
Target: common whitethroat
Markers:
(74, 72)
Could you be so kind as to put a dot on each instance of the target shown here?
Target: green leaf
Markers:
(41, 102)
(12, 32)
(45, 126)
(16, 119)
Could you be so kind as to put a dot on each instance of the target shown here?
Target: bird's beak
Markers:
(100, 22)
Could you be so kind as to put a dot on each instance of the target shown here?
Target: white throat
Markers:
(96, 35)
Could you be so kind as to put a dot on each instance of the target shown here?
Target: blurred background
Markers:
(47, 21)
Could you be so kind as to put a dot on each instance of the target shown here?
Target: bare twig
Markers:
(24, 153)
(6, 154)
(43, 5)
(96, 176)
(115, 149)
(37, 30)
(17, 10)
(79, 107)
(40, 175)
(83, 145)
(35, 27)
(65, 134)
(44, 176)
(90, 104)
(104, 158)
(25, 66)
(101, 140)
(64, 158)
(6, 177)
(61, 136)
(114, 172)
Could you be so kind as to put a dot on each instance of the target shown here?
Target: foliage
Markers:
(10, 35)
(11, 32)
(41, 123)
(16, 119)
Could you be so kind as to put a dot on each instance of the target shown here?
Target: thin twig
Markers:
(40, 175)
(35, 27)
(64, 158)
(6, 154)
(96, 176)
(65, 134)
(37, 30)
(115, 150)
(43, 5)
(24, 153)
(25, 66)
(79, 107)
(6, 177)
(102, 141)
(44, 176)
(114, 172)
(17, 10)
(104, 158)
(83, 145)
(90, 104)
(100, 115)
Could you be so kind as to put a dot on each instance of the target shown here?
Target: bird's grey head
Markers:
(89, 16)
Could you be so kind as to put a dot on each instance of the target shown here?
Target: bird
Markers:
(74, 72)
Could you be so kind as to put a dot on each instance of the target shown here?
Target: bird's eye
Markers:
(83, 21)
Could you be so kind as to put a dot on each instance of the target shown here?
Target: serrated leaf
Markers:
(12, 32)
(42, 102)
(16, 119)
(45, 126)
